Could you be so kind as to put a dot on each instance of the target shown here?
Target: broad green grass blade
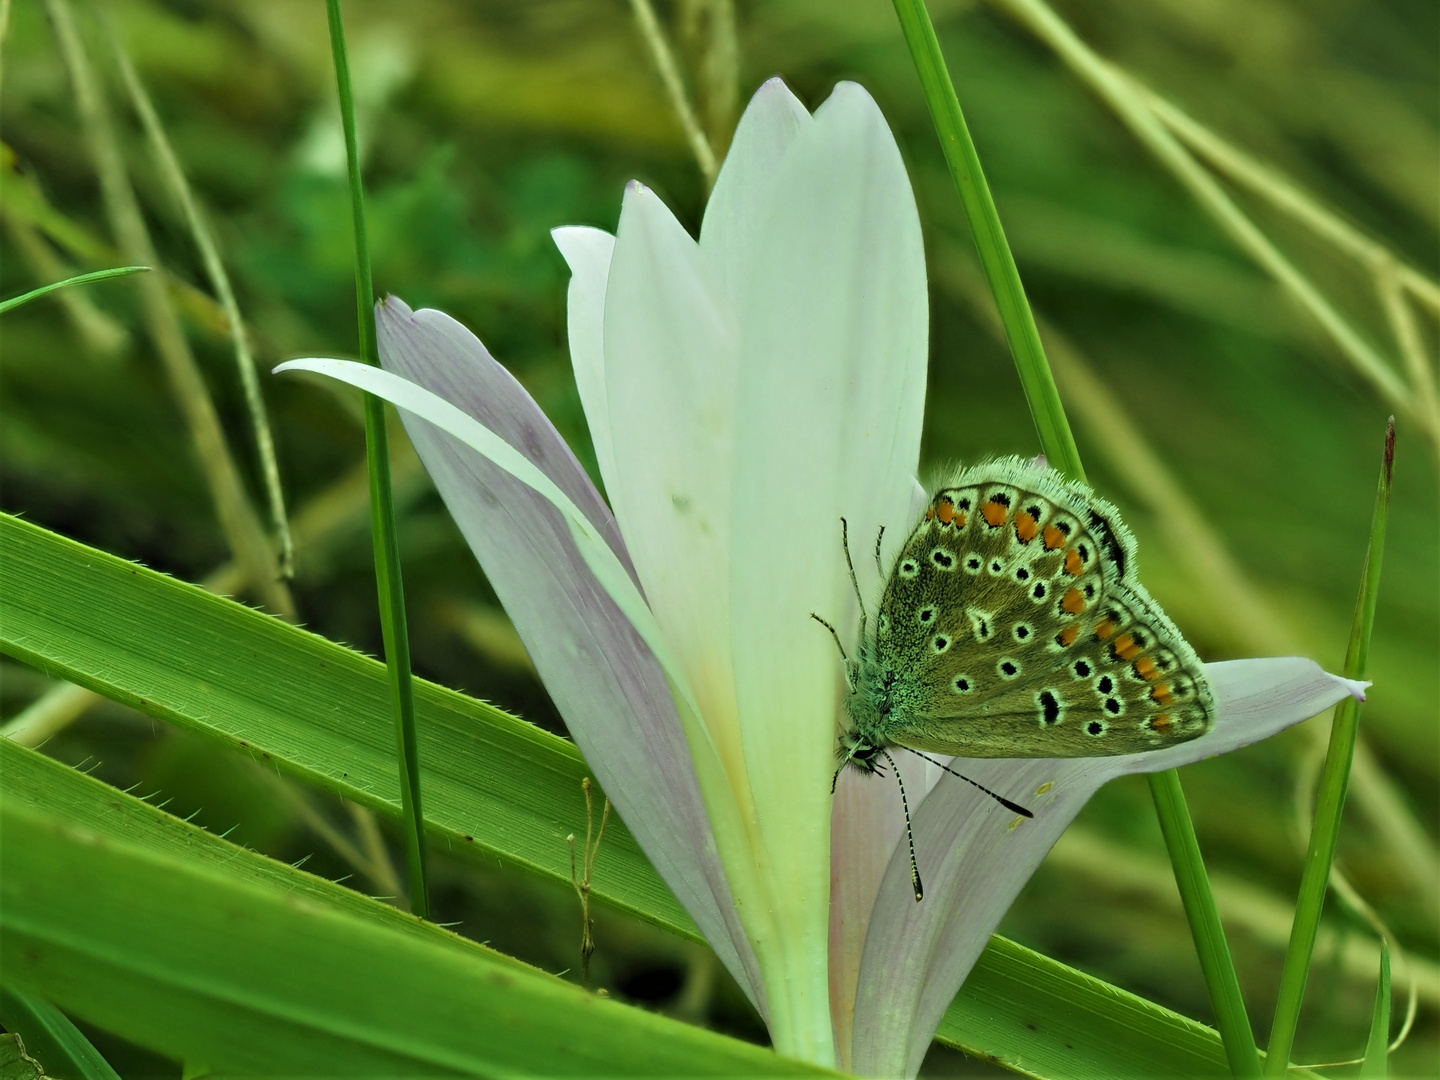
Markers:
(49, 1036)
(1056, 439)
(1377, 1048)
(78, 279)
(202, 963)
(1334, 784)
(384, 536)
(495, 786)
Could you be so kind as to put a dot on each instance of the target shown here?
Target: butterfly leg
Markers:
(909, 835)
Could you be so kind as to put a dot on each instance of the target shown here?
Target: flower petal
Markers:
(587, 251)
(670, 384)
(743, 189)
(604, 680)
(833, 322)
(1254, 699)
(975, 857)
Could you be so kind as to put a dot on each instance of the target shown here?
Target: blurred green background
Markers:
(1240, 442)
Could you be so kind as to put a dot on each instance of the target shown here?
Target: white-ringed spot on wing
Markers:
(926, 615)
(1104, 685)
(942, 559)
(909, 568)
(1023, 632)
(962, 684)
(1096, 728)
(1114, 706)
(1022, 574)
(997, 567)
(981, 621)
(1039, 592)
(1008, 669)
(973, 564)
(939, 643)
(1082, 668)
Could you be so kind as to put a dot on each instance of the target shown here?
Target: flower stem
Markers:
(1334, 782)
(1058, 443)
(382, 502)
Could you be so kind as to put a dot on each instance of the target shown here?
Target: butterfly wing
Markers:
(1015, 627)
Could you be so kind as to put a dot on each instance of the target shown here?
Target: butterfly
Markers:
(1012, 625)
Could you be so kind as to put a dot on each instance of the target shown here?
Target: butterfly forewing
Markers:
(1012, 626)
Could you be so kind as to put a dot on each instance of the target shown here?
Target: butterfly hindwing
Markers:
(1012, 625)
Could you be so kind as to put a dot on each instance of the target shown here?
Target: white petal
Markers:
(587, 251)
(743, 190)
(833, 325)
(669, 375)
(1254, 699)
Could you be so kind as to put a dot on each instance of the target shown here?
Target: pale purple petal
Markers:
(607, 685)
(975, 856)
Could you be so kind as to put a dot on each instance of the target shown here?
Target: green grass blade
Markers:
(1334, 783)
(1058, 442)
(50, 1038)
(496, 786)
(386, 542)
(1019, 321)
(1377, 1048)
(78, 279)
(201, 963)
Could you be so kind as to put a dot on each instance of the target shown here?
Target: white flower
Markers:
(744, 393)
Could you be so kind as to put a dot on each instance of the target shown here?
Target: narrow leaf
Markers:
(1377, 1047)
(78, 279)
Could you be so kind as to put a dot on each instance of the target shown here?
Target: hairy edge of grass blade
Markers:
(1058, 442)
(78, 279)
(382, 503)
(1334, 781)
(174, 175)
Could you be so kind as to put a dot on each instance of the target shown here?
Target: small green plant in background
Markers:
(495, 786)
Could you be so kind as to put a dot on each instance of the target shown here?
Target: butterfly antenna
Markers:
(833, 634)
(909, 834)
(845, 540)
(878, 564)
(1016, 807)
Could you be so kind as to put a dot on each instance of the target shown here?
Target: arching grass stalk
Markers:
(382, 504)
(1058, 443)
(79, 279)
(1334, 782)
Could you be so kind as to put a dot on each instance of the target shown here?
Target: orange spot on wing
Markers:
(1054, 538)
(1026, 527)
(1125, 647)
(1074, 602)
(960, 518)
(1161, 693)
(1146, 669)
(1073, 565)
(946, 511)
(1162, 723)
(1067, 636)
(995, 513)
(930, 514)
(1104, 629)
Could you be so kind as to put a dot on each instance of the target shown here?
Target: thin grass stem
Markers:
(1334, 782)
(382, 504)
(1058, 442)
(664, 60)
(78, 279)
(174, 175)
(243, 531)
